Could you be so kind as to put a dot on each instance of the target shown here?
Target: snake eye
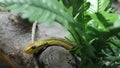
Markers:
(33, 47)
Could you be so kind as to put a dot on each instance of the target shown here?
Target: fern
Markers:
(39, 10)
(98, 5)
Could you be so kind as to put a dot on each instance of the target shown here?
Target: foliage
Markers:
(92, 26)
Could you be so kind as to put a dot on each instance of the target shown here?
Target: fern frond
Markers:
(102, 5)
(98, 5)
(39, 10)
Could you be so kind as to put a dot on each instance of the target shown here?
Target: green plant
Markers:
(92, 25)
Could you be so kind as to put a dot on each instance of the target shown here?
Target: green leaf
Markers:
(47, 10)
(110, 17)
(77, 4)
(98, 22)
(103, 5)
(104, 20)
(67, 3)
(98, 5)
(116, 24)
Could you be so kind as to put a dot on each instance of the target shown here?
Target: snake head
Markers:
(34, 47)
(30, 49)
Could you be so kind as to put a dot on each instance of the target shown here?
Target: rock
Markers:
(56, 57)
(7, 62)
(14, 37)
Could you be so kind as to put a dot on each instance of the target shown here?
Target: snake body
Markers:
(36, 46)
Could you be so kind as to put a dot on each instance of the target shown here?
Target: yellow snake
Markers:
(36, 46)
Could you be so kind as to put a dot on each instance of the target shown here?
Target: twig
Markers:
(33, 37)
(33, 31)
